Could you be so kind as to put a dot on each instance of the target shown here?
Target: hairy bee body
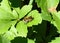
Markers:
(28, 19)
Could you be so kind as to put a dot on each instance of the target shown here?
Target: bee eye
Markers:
(27, 19)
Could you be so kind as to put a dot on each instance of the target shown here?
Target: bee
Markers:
(28, 19)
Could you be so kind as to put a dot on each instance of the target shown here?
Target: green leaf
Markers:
(36, 18)
(30, 2)
(42, 4)
(24, 10)
(15, 14)
(11, 34)
(13, 30)
(45, 6)
(17, 10)
(5, 5)
(4, 39)
(51, 5)
(5, 25)
(57, 40)
(46, 16)
(6, 18)
(6, 15)
(56, 22)
(31, 41)
(22, 29)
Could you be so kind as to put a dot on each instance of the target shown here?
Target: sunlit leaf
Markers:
(56, 17)
(46, 7)
(31, 41)
(44, 10)
(5, 5)
(5, 25)
(57, 40)
(6, 15)
(4, 39)
(46, 4)
(36, 18)
(24, 10)
(15, 14)
(11, 34)
(46, 16)
(51, 5)
(13, 30)
(22, 29)
(17, 10)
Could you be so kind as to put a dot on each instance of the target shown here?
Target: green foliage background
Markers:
(43, 28)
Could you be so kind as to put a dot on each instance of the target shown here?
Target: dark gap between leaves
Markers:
(58, 7)
(35, 7)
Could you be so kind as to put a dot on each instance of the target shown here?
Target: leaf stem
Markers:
(30, 2)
